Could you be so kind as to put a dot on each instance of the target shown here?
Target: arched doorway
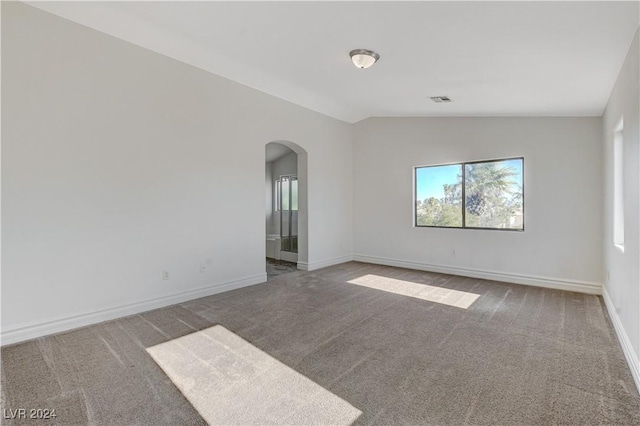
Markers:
(286, 213)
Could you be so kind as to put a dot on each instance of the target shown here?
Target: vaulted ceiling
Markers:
(491, 58)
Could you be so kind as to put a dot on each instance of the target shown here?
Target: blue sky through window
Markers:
(429, 180)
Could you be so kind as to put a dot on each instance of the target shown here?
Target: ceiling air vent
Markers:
(440, 99)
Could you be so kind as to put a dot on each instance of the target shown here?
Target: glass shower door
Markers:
(288, 189)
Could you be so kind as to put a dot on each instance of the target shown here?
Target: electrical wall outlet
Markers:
(202, 268)
(453, 252)
(165, 275)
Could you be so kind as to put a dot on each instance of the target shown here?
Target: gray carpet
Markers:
(517, 355)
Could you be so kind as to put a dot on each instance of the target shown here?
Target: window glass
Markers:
(294, 194)
(439, 196)
(479, 194)
(284, 193)
(493, 194)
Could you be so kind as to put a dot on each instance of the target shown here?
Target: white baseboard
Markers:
(627, 348)
(312, 266)
(555, 283)
(33, 330)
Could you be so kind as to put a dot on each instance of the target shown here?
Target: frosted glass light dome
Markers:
(363, 58)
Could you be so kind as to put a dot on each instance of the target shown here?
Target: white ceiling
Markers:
(490, 58)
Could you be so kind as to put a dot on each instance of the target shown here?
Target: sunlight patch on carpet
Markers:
(446, 296)
(229, 381)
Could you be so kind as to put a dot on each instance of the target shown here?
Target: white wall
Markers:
(561, 244)
(119, 162)
(622, 289)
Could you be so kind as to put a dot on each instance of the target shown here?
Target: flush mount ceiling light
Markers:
(363, 58)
